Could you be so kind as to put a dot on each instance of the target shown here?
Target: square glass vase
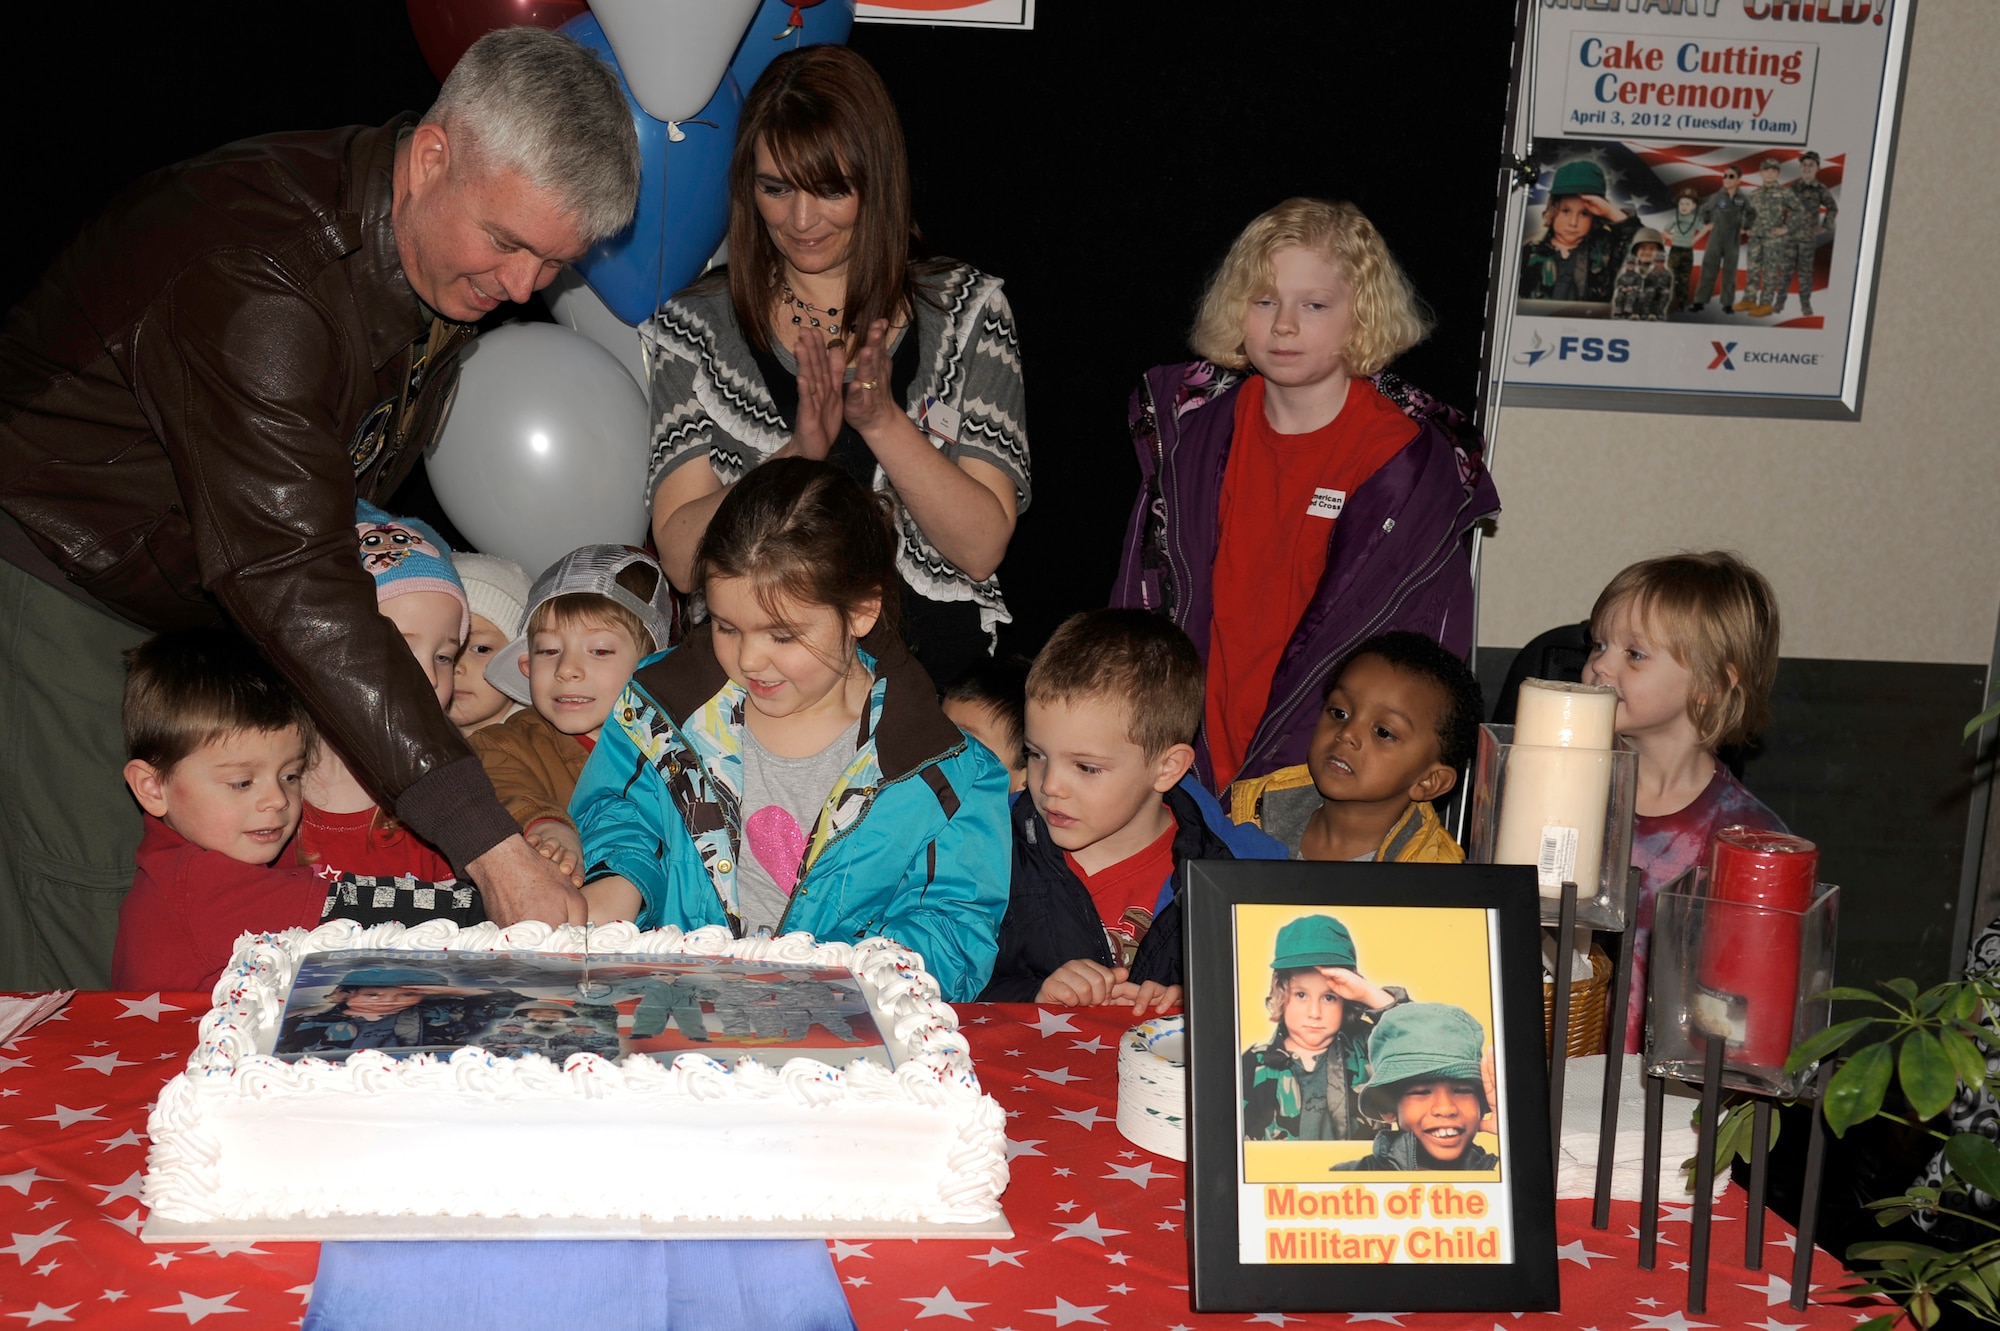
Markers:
(1745, 974)
(1566, 811)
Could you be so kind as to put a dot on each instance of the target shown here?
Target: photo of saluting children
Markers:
(1366, 1041)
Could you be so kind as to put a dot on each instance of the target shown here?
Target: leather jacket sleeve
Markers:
(236, 392)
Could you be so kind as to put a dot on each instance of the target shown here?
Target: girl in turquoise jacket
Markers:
(787, 768)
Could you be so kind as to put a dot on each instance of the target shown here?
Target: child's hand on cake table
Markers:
(558, 843)
(1080, 983)
(1152, 994)
(612, 898)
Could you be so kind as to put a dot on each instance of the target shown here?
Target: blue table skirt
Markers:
(597, 1285)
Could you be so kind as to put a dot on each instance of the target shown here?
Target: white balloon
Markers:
(674, 53)
(576, 306)
(545, 447)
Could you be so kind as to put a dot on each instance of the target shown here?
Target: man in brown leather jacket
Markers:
(191, 402)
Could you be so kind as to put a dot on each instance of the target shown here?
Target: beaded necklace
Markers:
(804, 312)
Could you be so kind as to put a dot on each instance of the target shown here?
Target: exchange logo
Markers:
(1726, 356)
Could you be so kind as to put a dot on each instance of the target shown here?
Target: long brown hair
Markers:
(804, 532)
(825, 117)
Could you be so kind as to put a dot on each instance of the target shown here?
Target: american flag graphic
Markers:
(1701, 165)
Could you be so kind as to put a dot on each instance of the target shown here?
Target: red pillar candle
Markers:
(1748, 977)
(1762, 868)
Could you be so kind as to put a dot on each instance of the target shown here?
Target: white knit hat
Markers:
(496, 589)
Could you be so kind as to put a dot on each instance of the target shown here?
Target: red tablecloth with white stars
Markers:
(1099, 1224)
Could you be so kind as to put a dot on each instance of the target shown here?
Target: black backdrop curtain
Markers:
(1100, 163)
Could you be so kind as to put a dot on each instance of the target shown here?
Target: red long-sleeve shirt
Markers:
(178, 925)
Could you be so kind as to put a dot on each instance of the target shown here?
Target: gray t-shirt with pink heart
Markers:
(781, 802)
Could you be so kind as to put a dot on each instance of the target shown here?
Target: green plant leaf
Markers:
(1855, 1092)
(1815, 1047)
(1927, 1075)
(1966, 1060)
(1732, 1134)
(1884, 1251)
(1975, 1160)
(1978, 723)
(1906, 987)
(1848, 993)
(1979, 1035)
(1978, 1285)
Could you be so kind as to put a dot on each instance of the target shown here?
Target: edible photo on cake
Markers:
(404, 1003)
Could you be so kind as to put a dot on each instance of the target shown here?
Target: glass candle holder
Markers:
(1567, 811)
(1743, 973)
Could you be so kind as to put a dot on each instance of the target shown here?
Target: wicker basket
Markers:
(1588, 998)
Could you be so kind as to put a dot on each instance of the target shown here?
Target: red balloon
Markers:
(444, 28)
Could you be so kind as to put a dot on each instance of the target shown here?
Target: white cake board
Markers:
(158, 1229)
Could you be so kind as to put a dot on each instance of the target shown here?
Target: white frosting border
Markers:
(934, 1067)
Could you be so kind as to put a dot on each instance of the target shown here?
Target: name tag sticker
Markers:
(939, 420)
(1326, 503)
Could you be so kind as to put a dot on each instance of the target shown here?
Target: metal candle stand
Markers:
(1704, 1184)
(1673, 951)
(1621, 997)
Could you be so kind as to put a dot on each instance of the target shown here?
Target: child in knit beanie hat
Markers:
(407, 557)
(498, 592)
(378, 871)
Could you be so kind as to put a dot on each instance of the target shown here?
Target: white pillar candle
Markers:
(1553, 806)
(1556, 714)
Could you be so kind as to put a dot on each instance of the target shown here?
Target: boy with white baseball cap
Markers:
(592, 617)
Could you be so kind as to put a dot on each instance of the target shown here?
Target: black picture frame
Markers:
(1217, 896)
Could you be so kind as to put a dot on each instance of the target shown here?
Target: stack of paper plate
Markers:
(1152, 1086)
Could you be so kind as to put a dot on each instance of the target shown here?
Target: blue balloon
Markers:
(824, 24)
(683, 208)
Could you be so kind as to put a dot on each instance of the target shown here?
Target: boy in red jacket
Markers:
(218, 745)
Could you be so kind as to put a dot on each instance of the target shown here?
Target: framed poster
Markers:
(1703, 229)
(1368, 1091)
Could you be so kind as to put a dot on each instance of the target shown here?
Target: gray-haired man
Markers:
(190, 403)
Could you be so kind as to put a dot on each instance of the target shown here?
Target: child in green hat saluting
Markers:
(1302, 1084)
(1584, 237)
(1428, 1076)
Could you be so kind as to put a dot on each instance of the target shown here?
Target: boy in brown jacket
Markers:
(592, 617)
